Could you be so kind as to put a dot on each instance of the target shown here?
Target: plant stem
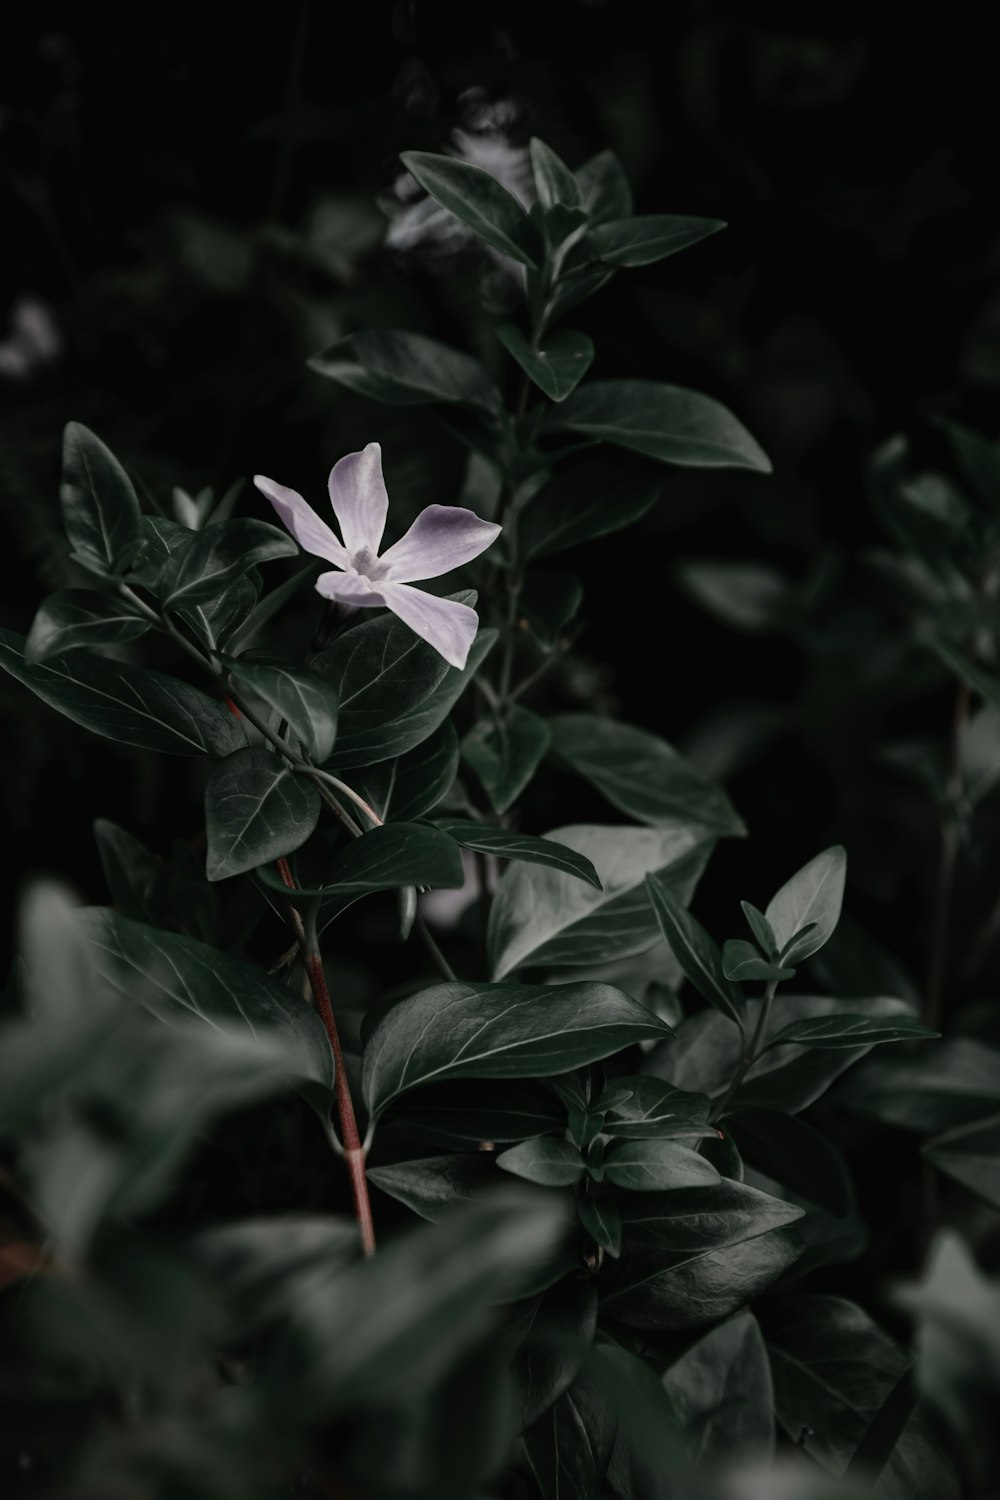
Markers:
(933, 1006)
(750, 1053)
(354, 1151)
(424, 934)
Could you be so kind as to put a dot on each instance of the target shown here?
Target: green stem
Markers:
(751, 1052)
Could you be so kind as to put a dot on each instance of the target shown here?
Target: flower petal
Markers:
(446, 625)
(359, 499)
(312, 534)
(441, 538)
(349, 588)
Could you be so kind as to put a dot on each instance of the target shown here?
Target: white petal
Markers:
(309, 531)
(349, 588)
(359, 499)
(443, 623)
(441, 538)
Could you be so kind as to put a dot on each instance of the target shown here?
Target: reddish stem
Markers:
(354, 1151)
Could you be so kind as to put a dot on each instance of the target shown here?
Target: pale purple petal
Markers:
(441, 538)
(359, 499)
(349, 588)
(444, 624)
(309, 531)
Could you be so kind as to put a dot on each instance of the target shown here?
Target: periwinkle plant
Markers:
(620, 1175)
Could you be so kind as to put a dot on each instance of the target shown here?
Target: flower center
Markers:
(366, 562)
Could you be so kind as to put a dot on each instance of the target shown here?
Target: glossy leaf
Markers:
(850, 1031)
(742, 962)
(505, 757)
(499, 1031)
(131, 705)
(554, 182)
(407, 369)
(585, 502)
(648, 238)
(762, 930)
(640, 774)
(175, 976)
(568, 1450)
(602, 1220)
(547, 1160)
(694, 950)
(479, 200)
(557, 365)
(656, 1166)
(542, 916)
(256, 810)
(664, 422)
(307, 702)
(812, 898)
(488, 839)
(210, 560)
(99, 506)
(640, 1108)
(430, 1186)
(73, 619)
(698, 1254)
(833, 1368)
(397, 854)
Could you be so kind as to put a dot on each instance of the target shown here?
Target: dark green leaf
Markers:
(479, 200)
(550, 1355)
(641, 1108)
(747, 596)
(306, 701)
(549, 601)
(742, 962)
(505, 757)
(796, 1156)
(569, 1448)
(407, 369)
(499, 1031)
(721, 1390)
(584, 502)
(547, 1160)
(665, 422)
(177, 977)
(431, 1185)
(425, 775)
(698, 1254)
(99, 506)
(397, 854)
(694, 950)
(133, 876)
(519, 846)
(557, 365)
(833, 1368)
(812, 898)
(76, 618)
(979, 461)
(656, 1166)
(216, 621)
(851, 1031)
(604, 188)
(602, 1220)
(256, 810)
(640, 774)
(210, 560)
(554, 182)
(761, 929)
(648, 238)
(971, 1155)
(466, 1113)
(541, 916)
(129, 704)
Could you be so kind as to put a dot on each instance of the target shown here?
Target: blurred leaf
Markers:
(541, 916)
(971, 1155)
(604, 188)
(640, 774)
(848, 1031)
(747, 596)
(131, 705)
(256, 810)
(133, 875)
(665, 422)
(499, 1031)
(721, 1390)
(584, 502)
(430, 1185)
(407, 369)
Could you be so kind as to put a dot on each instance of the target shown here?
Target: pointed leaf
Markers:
(499, 1031)
(131, 705)
(547, 1160)
(77, 618)
(256, 810)
(648, 238)
(694, 950)
(306, 701)
(665, 422)
(812, 898)
(971, 1155)
(407, 369)
(397, 854)
(602, 1220)
(519, 846)
(656, 1166)
(741, 962)
(210, 560)
(850, 1031)
(479, 200)
(761, 929)
(721, 1390)
(554, 182)
(506, 756)
(99, 506)
(584, 502)
(432, 1185)
(558, 365)
(604, 188)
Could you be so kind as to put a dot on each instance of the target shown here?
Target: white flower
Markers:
(442, 537)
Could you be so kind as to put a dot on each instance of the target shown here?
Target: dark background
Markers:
(189, 196)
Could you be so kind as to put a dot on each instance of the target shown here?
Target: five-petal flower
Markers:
(442, 537)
